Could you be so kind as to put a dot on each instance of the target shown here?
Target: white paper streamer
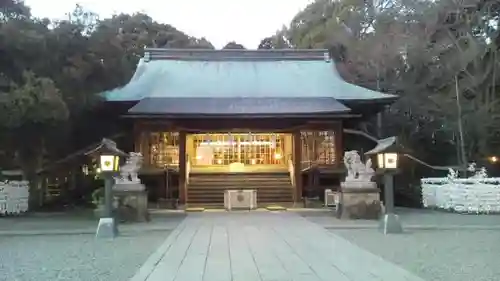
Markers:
(14, 197)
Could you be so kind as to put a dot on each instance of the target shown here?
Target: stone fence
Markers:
(13, 197)
(472, 195)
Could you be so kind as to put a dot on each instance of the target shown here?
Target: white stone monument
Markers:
(130, 192)
(359, 195)
(128, 179)
(359, 174)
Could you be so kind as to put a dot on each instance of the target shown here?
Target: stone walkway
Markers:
(250, 246)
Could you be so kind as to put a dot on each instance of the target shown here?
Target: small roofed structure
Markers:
(390, 144)
(383, 145)
(210, 112)
(105, 146)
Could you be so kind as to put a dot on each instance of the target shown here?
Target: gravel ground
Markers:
(75, 257)
(436, 255)
(468, 252)
(76, 222)
(411, 217)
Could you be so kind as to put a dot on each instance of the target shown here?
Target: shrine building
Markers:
(211, 120)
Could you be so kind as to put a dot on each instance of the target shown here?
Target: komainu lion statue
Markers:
(128, 172)
(356, 169)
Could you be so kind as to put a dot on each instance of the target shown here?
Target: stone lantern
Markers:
(108, 156)
(387, 154)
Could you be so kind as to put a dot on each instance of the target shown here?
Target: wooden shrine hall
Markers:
(240, 119)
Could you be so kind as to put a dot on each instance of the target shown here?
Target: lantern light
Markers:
(107, 156)
(85, 169)
(387, 160)
(387, 152)
(109, 163)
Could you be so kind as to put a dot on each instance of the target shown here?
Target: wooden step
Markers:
(231, 174)
(249, 180)
(221, 205)
(209, 188)
(239, 178)
(267, 200)
(219, 197)
(239, 185)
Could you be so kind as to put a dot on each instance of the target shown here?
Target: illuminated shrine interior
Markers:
(224, 148)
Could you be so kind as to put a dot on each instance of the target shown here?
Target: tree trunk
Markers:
(464, 161)
(31, 162)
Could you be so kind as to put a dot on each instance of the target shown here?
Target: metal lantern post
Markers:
(387, 152)
(109, 164)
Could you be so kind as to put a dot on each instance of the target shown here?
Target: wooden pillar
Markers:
(182, 168)
(339, 144)
(43, 188)
(141, 142)
(288, 145)
(137, 138)
(297, 159)
(190, 151)
(73, 179)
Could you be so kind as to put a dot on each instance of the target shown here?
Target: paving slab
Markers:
(256, 246)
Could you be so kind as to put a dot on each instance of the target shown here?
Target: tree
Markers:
(28, 115)
(234, 45)
(13, 9)
(82, 56)
(414, 49)
(277, 41)
(266, 43)
(118, 43)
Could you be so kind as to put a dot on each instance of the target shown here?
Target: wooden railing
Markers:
(291, 169)
(188, 168)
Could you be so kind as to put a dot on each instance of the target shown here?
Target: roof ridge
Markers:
(243, 97)
(236, 54)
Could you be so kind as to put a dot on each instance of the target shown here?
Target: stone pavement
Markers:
(250, 246)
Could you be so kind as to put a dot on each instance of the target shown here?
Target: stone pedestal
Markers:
(390, 224)
(129, 186)
(359, 200)
(107, 228)
(132, 205)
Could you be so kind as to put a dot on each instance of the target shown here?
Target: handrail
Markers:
(188, 168)
(291, 170)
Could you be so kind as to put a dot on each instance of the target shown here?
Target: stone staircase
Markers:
(207, 189)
